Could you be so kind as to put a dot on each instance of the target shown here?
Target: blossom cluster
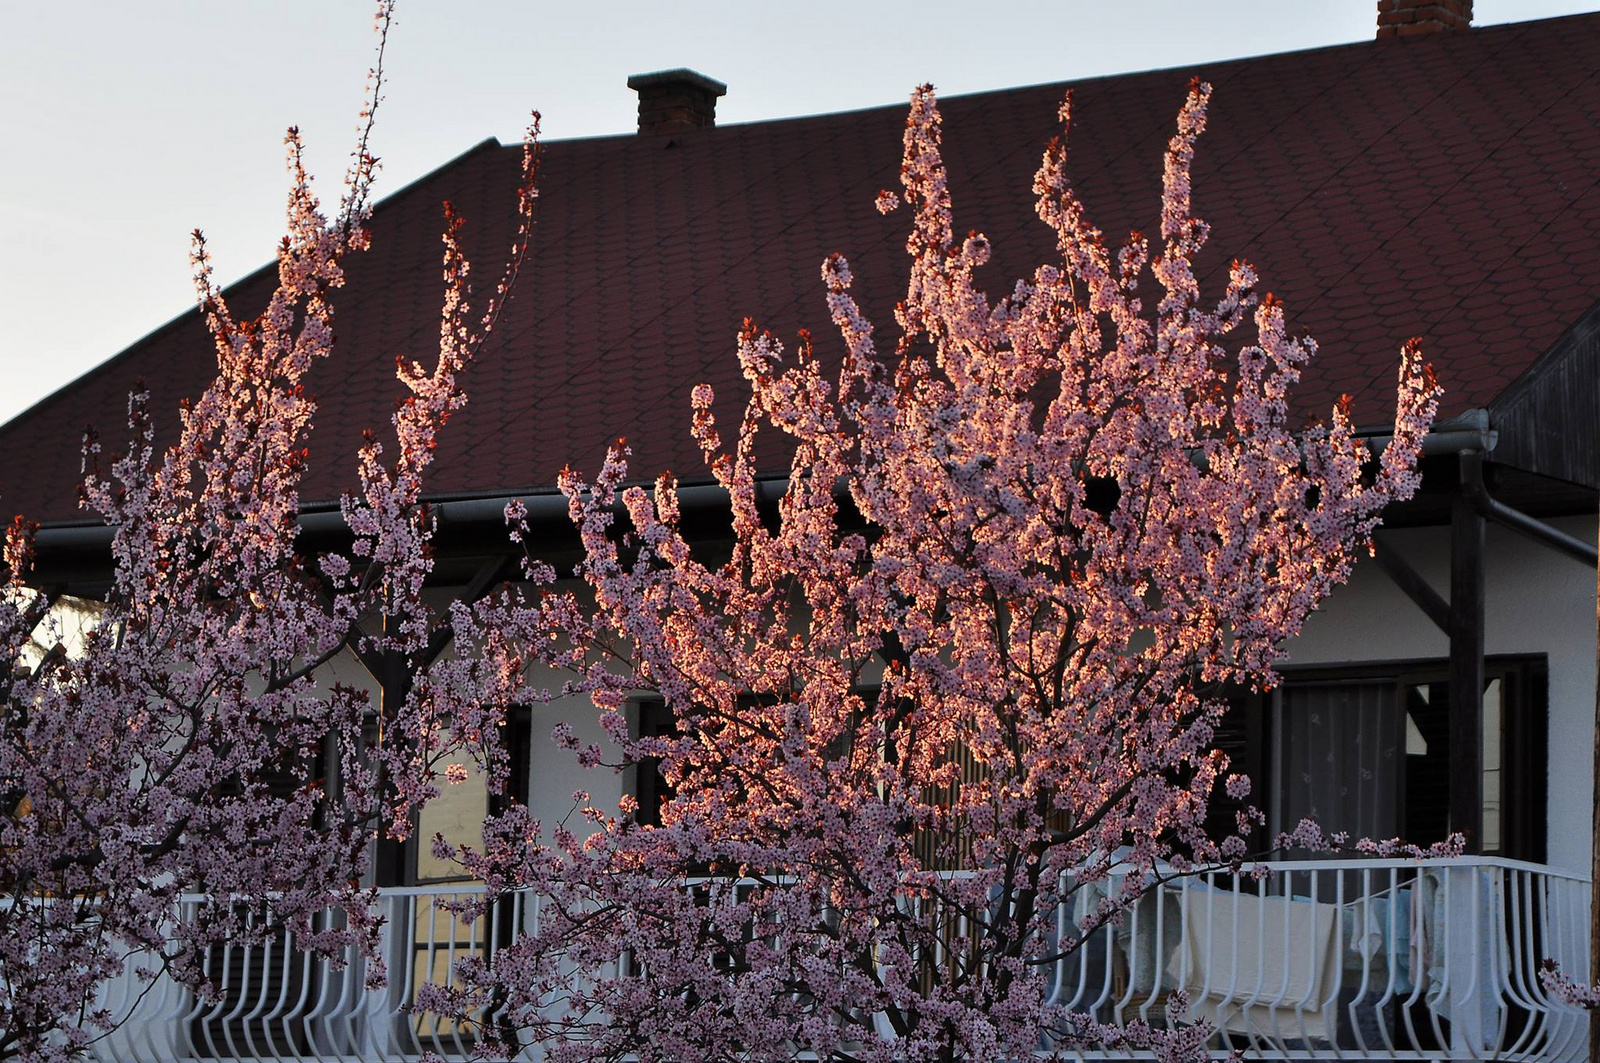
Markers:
(187, 741)
(965, 670)
(1562, 987)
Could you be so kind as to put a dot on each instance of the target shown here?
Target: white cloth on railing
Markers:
(1150, 938)
(1145, 935)
(1365, 927)
(1462, 913)
(1379, 942)
(1259, 965)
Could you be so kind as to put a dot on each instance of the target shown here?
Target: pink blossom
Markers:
(189, 740)
(1016, 546)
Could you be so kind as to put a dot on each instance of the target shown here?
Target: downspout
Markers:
(1486, 505)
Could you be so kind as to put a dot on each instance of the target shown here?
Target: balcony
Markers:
(1378, 959)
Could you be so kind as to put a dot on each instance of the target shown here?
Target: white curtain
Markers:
(1339, 751)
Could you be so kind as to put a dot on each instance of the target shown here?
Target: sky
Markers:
(124, 126)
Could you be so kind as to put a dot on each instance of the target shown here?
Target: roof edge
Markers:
(1470, 431)
(180, 318)
(1547, 412)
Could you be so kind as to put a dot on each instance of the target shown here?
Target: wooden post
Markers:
(390, 863)
(1466, 656)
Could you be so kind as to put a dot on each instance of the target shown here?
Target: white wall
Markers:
(1538, 602)
(554, 773)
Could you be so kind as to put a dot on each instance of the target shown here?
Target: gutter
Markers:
(453, 515)
(1471, 431)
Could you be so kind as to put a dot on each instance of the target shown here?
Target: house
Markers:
(1439, 181)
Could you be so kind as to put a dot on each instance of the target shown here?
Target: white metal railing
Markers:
(1378, 959)
(1386, 959)
(275, 1002)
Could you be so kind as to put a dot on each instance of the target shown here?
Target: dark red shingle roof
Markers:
(1444, 186)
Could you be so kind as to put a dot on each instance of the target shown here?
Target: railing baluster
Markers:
(215, 1009)
(1353, 928)
(298, 1008)
(1500, 910)
(450, 967)
(279, 1007)
(1080, 956)
(1276, 1039)
(1386, 1000)
(1517, 931)
(1157, 966)
(1128, 934)
(113, 996)
(436, 1021)
(1185, 928)
(1416, 950)
(1540, 1021)
(1309, 1000)
(404, 1018)
(174, 1000)
(1360, 912)
(1475, 989)
(1258, 993)
(491, 942)
(1441, 903)
(185, 1005)
(249, 1017)
(1209, 896)
(1574, 903)
(342, 1004)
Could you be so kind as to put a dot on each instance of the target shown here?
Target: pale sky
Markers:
(125, 125)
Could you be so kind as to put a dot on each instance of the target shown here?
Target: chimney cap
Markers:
(1413, 18)
(682, 76)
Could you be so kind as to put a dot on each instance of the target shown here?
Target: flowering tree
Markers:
(186, 744)
(964, 679)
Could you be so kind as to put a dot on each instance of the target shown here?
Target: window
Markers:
(1241, 733)
(460, 809)
(439, 937)
(1338, 757)
(1367, 750)
(654, 720)
(649, 788)
(1514, 727)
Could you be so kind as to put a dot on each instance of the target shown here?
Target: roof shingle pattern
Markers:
(1446, 186)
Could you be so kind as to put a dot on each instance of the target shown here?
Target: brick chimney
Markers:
(1411, 18)
(671, 101)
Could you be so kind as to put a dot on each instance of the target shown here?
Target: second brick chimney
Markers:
(1410, 18)
(671, 101)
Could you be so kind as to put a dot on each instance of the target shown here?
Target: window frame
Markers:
(1524, 739)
